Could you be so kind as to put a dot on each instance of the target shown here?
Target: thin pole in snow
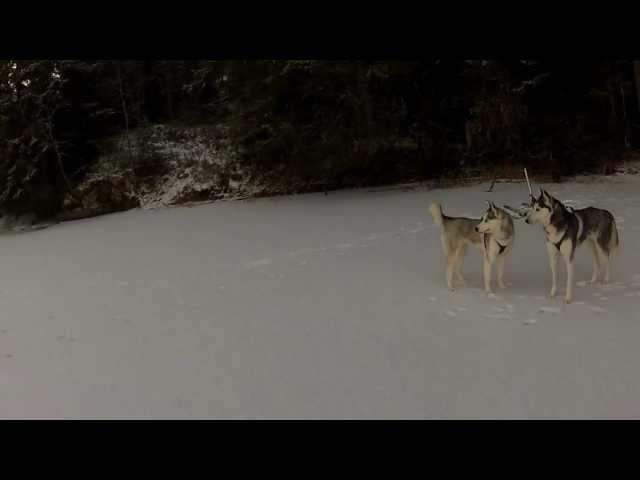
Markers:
(528, 184)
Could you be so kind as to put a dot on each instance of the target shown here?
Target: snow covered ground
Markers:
(313, 306)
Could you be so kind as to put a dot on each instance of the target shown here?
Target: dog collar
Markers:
(557, 245)
(502, 247)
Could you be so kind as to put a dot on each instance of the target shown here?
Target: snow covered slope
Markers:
(313, 306)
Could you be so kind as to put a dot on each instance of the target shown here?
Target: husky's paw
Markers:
(590, 282)
(552, 293)
(567, 300)
(502, 285)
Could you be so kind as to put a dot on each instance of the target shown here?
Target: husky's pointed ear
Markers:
(493, 207)
(551, 200)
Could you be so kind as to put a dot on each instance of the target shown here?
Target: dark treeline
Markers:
(325, 123)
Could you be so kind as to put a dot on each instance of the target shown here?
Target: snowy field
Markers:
(314, 306)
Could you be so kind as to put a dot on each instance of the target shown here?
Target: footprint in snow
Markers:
(451, 313)
(499, 316)
(258, 263)
(530, 321)
(595, 308)
(551, 310)
(433, 299)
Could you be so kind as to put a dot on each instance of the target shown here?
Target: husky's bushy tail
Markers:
(614, 240)
(436, 213)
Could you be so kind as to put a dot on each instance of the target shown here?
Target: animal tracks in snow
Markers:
(499, 316)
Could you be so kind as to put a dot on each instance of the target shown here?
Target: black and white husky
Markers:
(493, 234)
(566, 229)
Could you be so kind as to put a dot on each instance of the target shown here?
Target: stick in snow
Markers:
(528, 184)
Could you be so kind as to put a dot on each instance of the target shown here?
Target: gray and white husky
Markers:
(493, 234)
(566, 229)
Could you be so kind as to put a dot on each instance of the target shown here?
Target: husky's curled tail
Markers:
(436, 213)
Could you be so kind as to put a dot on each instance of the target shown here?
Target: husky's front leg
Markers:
(500, 268)
(553, 263)
(596, 261)
(487, 273)
(569, 295)
(566, 254)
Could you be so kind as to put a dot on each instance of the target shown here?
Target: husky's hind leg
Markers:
(596, 261)
(604, 260)
(449, 256)
(451, 265)
(614, 245)
(459, 261)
